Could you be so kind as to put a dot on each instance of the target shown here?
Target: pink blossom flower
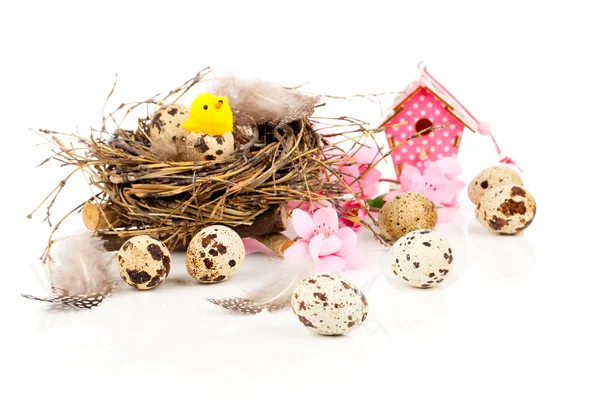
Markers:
(439, 182)
(252, 246)
(309, 207)
(352, 208)
(332, 249)
(355, 165)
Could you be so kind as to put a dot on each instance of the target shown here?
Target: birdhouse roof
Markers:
(426, 81)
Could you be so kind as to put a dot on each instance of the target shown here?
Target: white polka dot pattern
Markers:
(423, 104)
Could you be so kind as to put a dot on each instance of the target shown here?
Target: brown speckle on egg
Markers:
(200, 145)
(204, 147)
(422, 263)
(506, 209)
(167, 120)
(405, 213)
(214, 254)
(490, 178)
(144, 262)
(328, 305)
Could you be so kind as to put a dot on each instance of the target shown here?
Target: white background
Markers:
(518, 317)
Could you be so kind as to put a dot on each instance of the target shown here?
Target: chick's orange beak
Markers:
(218, 105)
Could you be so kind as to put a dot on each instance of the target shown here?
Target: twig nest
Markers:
(215, 254)
(204, 147)
(144, 262)
(405, 213)
(422, 258)
(506, 209)
(166, 123)
(329, 305)
(490, 178)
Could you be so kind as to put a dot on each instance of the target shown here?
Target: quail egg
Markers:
(405, 213)
(166, 123)
(144, 262)
(204, 147)
(215, 254)
(506, 209)
(329, 305)
(490, 178)
(422, 258)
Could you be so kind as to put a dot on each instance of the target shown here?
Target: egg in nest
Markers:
(490, 178)
(506, 209)
(215, 254)
(329, 305)
(144, 262)
(422, 258)
(166, 123)
(172, 142)
(205, 147)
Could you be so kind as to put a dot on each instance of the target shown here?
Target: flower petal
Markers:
(330, 245)
(449, 166)
(292, 205)
(254, 246)
(350, 174)
(433, 175)
(326, 220)
(411, 179)
(330, 264)
(354, 259)
(303, 224)
(365, 154)
(297, 251)
(446, 214)
(314, 246)
(370, 183)
(391, 195)
(348, 240)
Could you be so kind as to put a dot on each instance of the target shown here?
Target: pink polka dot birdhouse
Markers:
(425, 103)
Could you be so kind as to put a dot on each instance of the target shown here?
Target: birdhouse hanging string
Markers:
(482, 127)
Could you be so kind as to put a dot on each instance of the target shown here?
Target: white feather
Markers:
(275, 295)
(264, 101)
(80, 264)
(81, 273)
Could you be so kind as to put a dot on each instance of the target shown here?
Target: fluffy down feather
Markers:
(164, 148)
(80, 272)
(275, 295)
(265, 102)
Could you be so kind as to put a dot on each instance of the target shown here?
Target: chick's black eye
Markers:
(220, 101)
(205, 107)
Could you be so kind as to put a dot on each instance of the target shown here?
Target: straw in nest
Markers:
(137, 193)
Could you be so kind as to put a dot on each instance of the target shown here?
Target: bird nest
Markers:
(135, 192)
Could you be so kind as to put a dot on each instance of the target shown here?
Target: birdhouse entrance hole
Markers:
(423, 124)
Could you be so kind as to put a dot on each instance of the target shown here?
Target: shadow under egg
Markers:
(509, 257)
(413, 310)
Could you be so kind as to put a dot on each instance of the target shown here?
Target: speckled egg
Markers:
(215, 254)
(422, 258)
(490, 178)
(329, 305)
(144, 262)
(506, 209)
(167, 121)
(203, 147)
(405, 213)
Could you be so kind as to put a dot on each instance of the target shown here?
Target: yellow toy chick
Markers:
(209, 114)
